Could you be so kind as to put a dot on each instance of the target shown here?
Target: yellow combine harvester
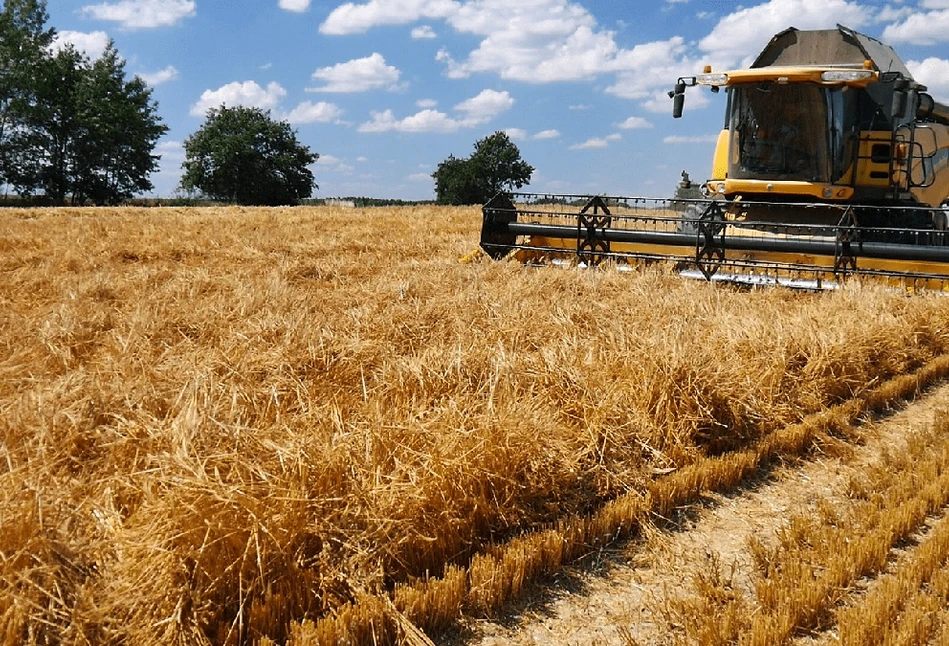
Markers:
(833, 161)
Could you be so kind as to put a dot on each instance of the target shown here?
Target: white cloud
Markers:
(247, 94)
(681, 139)
(743, 34)
(596, 142)
(419, 177)
(653, 65)
(547, 134)
(485, 106)
(90, 44)
(516, 134)
(358, 75)
(330, 163)
(308, 112)
(933, 73)
(172, 153)
(424, 121)
(426, 103)
(297, 6)
(352, 18)
(580, 107)
(142, 14)
(161, 76)
(475, 111)
(927, 28)
(634, 122)
(892, 14)
(425, 32)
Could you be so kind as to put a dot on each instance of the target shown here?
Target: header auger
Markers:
(832, 162)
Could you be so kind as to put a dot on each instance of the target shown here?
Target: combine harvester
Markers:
(833, 162)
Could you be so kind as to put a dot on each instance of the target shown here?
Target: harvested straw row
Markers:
(903, 606)
(806, 575)
(497, 576)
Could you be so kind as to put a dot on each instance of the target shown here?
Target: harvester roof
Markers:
(841, 47)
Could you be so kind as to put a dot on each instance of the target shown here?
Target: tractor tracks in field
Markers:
(643, 592)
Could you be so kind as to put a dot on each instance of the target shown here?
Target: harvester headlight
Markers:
(843, 76)
(712, 79)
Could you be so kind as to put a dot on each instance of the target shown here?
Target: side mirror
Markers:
(678, 99)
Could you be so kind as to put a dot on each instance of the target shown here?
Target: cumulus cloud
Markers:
(161, 76)
(90, 44)
(926, 28)
(633, 123)
(247, 94)
(596, 142)
(426, 103)
(424, 121)
(649, 66)
(358, 75)
(333, 164)
(547, 134)
(475, 111)
(892, 14)
(172, 153)
(142, 14)
(297, 6)
(485, 106)
(308, 112)
(517, 134)
(352, 18)
(424, 32)
(933, 73)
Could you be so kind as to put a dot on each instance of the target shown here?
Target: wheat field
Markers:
(319, 425)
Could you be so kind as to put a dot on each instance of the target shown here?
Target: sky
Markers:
(384, 90)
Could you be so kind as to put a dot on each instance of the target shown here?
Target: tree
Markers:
(70, 128)
(494, 166)
(119, 130)
(24, 41)
(242, 155)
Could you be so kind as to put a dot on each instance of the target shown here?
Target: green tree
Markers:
(242, 155)
(493, 167)
(119, 131)
(42, 149)
(86, 133)
(24, 42)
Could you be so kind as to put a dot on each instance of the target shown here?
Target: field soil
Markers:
(628, 595)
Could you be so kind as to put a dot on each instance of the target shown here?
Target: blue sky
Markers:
(384, 90)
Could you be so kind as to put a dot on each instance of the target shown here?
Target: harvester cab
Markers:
(832, 161)
(827, 115)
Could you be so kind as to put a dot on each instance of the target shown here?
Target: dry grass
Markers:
(803, 579)
(235, 425)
